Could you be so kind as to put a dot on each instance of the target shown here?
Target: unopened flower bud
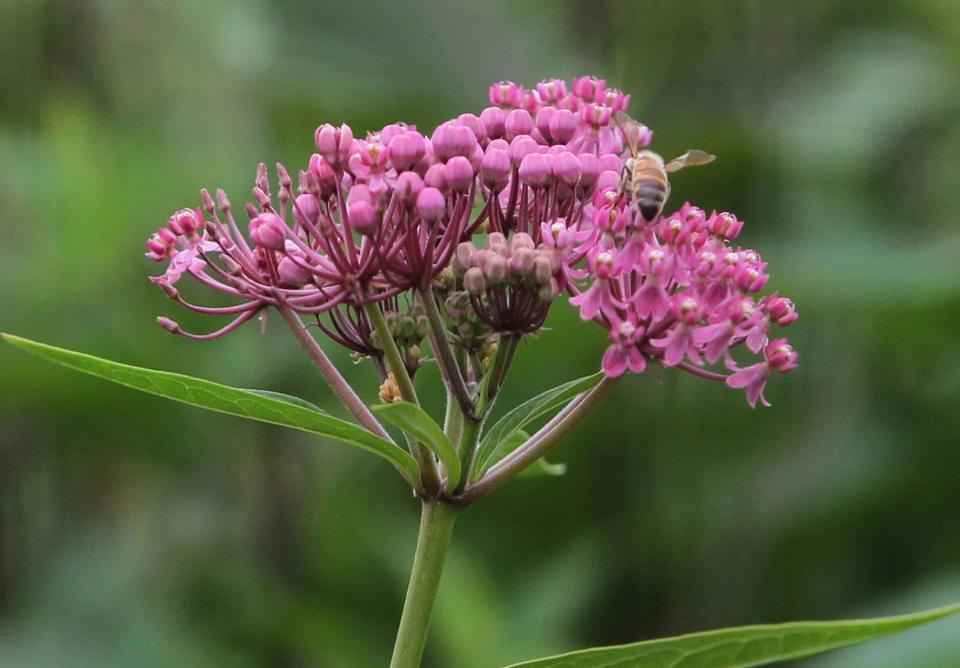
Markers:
(496, 168)
(589, 169)
(542, 270)
(406, 150)
(522, 240)
(459, 174)
(306, 208)
(364, 218)
(495, 239)
(267, 230)
(168, 324)
(535, 170)
(544, 114)
(563, 125)
(518, 122)
(431, 204)
(493, 119)
(473, 122)
(390, 390)
(522, 261)
(463, 257)
(474, 281)
(548, 291)
(521, 147)
(407, 187)
(436, 176)
(423, 326)
(292, 273)
(334, 144)
(566, 168)
(496, 270)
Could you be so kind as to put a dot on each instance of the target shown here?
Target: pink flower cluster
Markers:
(373, 218)
(677, 291)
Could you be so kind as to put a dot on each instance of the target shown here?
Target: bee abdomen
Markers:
(650, 196)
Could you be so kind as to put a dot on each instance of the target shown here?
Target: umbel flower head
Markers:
(501, 212)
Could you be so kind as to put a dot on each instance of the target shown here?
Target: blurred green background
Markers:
(138, 532)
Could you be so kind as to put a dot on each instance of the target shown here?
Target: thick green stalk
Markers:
(436, 528)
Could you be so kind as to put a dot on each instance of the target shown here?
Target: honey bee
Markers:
(644, 176)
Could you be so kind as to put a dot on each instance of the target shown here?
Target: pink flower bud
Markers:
(518, 122)
(476, 125)
(266, 231)
(406, 150)
(566, 168)
(459, 174)
(291, 273)
(431, 204)
(306, 207)
(360, 193)
(474, 281)
(436, 176)
(495, 168)
(544, 116)
(607, 179)
(493, 119)
(535, 170)
(364, 217)
(450, 139)
(334, 144)
(168, 324)
(408, 186)
(563, 125)
(325, 176)
(611, 162)
(589, 168)
(521, 147)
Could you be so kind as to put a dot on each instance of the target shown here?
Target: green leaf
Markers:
(741, 647)
(288, 398)
(254, 404)
(523, 414)
(415, 421)
(539, 468)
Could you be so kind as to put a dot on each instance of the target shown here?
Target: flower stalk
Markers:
(436, 528)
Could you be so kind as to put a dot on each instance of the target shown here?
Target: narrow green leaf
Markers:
(254, 404)
(539, 468)
(741, 647)
(522, 415)
(419, 425)
(288, 398)
(542, 467)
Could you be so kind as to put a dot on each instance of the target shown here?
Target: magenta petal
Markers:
(614, 362)
(636, 361)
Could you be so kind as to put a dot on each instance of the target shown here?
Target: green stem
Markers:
(445, 355)
(469, 438)
(429, 476)
(436, 527)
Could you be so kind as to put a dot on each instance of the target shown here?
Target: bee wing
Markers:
(630, 129)
(692, 158)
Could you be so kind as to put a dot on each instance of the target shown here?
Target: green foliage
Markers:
(415, 421)
(257, 405)
(741, 647)
(497, 439)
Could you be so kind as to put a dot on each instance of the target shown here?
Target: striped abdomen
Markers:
(650, 189)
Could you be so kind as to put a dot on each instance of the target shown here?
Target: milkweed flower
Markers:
(375, 218)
